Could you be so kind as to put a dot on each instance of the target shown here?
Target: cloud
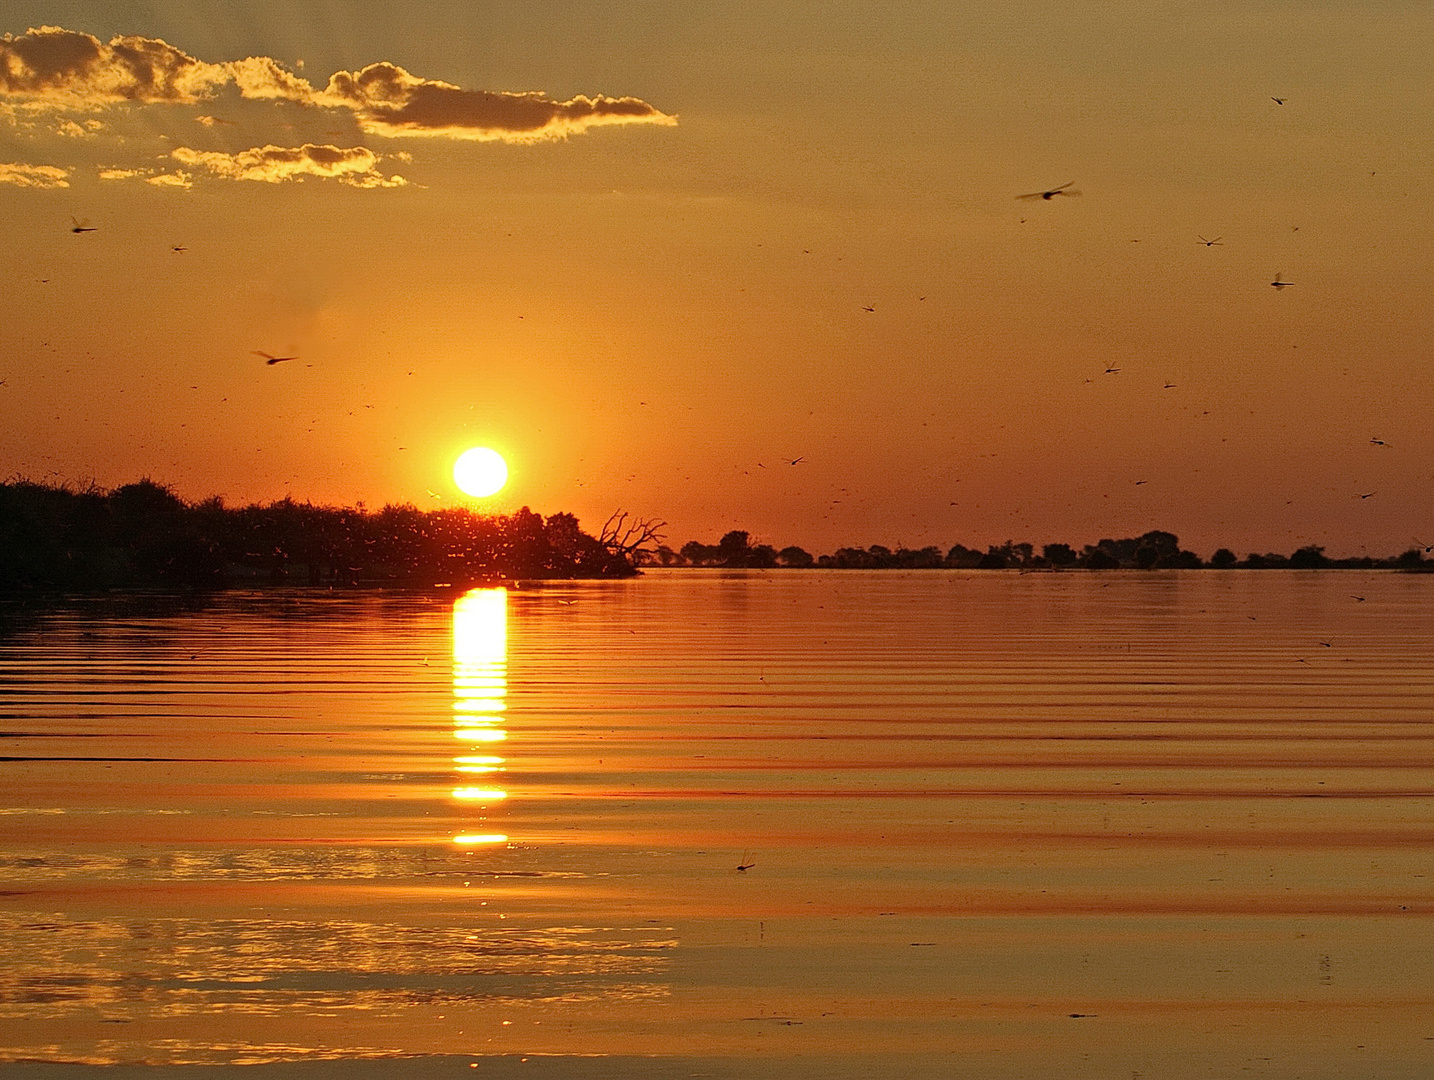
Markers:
(356, 166)
(179, 179)
(67, 69)
(387, 100)
(72, 130)
(34, 176)
(50, 67)
(262, 78)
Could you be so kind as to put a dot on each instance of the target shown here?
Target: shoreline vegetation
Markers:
(57, 538)
(53, 537)
(1154, 550)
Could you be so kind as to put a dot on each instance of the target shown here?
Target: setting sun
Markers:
(480, 472)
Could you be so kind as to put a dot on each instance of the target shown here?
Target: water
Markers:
(1158, 825)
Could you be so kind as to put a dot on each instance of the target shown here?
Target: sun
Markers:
(480, 472)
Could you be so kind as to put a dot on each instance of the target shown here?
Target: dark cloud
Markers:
(68, 69)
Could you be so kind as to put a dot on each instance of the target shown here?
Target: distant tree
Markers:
(1410, 558)
(927, 558)
(1156, 549)
(734, 547)
(1122, 551)
(1059, 554)
(665, 556)
(1310, 557)
(994, 559)
(1167, 543)
(739, 551)
(1098, 558)
(963, 558)
(847, 558)
(1223, 559)
(795, 557)
(696, 553)
(1268, 561)
(761, 557)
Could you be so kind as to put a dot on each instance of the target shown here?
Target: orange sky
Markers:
(633, 247)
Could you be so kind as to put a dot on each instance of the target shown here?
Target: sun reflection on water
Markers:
(480, 690)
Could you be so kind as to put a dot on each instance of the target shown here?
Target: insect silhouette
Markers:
(747, 862)
(793, 461)
(1050, 194)
(78, 226)
(273, 359)
(1212, 243)
(179, 249)
(1280, 282)
(1278, 100)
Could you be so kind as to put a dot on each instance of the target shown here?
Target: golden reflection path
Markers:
(480, 691)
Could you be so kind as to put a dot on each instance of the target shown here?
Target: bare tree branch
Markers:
(627, 535)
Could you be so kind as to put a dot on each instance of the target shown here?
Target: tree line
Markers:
(143, 534)
(1155, 550)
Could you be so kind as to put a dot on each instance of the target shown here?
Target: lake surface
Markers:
(1149, 826)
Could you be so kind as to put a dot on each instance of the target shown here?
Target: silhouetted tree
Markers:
(734, 547)
(1059, 554)
(698, 554)
(963, 558)
(662, 556)
(795, 557)
(144, 534)
(1223, 559)
(1122, 551)
(626, 537)
(1269, 561)
(1310, 557)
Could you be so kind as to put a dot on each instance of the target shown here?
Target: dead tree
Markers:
(630, 536)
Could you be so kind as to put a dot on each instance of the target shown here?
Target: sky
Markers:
(653, 253)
